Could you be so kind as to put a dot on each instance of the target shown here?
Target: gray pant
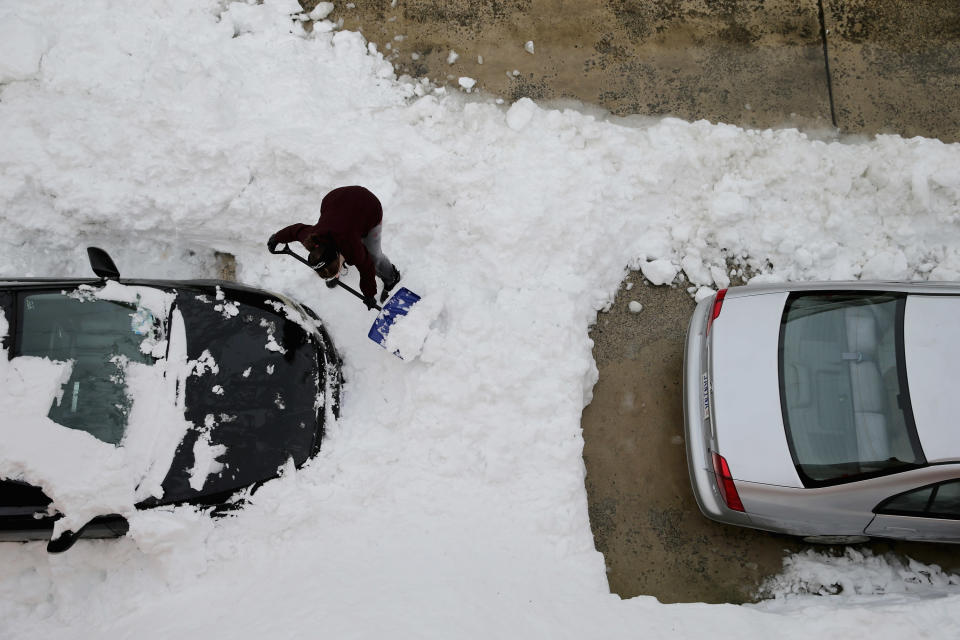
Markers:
(382, 263)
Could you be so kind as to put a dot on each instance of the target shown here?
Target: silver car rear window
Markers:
(844, 396)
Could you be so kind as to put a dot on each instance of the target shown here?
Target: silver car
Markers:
(826, 410)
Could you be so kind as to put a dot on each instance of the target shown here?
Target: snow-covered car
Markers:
(825, 410)
(125, 395)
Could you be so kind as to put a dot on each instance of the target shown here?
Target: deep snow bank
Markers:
(449, 498)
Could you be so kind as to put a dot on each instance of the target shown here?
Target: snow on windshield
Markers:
(52, 443)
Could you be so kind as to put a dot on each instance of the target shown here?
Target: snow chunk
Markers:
(273, 345)
(520, 113)
(720, 277)
(635, 306)
(452, 56)
(409, 332)
(659, 271)
(157, 301)
(22, 45)
(321, 11)
(227, 308)
(703, 293)
(292, 312)
(285, 7)
(727, 207)
(528, 47)
(270, 16)
(467, 83)
(204, 363)
(697, 272)
(944, 274)
(205, 460)
(886, 265)
(165, 530)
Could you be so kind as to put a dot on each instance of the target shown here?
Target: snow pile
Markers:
(450, 494)
(855, 573)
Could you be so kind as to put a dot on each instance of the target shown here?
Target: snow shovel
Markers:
(397, 306)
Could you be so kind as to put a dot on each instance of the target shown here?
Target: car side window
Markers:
(933, 501)
(909, 503)
(946, 504)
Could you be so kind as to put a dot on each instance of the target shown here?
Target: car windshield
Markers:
(99, 338)
(844, 396)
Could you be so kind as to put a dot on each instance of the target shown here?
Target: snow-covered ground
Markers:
(448, 501)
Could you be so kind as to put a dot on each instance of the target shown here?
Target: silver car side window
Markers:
(912, 502)
(946, 504)
(933, 501)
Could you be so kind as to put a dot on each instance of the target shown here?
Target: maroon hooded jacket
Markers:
(347, 214)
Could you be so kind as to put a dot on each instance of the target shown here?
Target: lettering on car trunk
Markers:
(705, 386)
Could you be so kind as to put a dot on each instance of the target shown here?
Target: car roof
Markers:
(932, 349)
(247, 293)
(927, 287)
(26, 283)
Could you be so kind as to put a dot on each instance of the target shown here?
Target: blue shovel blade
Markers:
(398, 305)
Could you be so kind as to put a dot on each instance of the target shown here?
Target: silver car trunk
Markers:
(747, 419)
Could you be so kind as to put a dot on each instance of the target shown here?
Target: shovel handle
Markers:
(287, 250)
(340, 283)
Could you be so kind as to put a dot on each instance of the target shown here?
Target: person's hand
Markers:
(370, 301)
(272, 243)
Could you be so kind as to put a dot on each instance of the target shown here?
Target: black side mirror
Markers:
(66, 540)
(109, 526)
(102, 264)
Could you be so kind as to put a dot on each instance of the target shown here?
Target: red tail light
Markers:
(725, 483)
(717, 305)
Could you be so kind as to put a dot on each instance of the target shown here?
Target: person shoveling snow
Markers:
(348, 232)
